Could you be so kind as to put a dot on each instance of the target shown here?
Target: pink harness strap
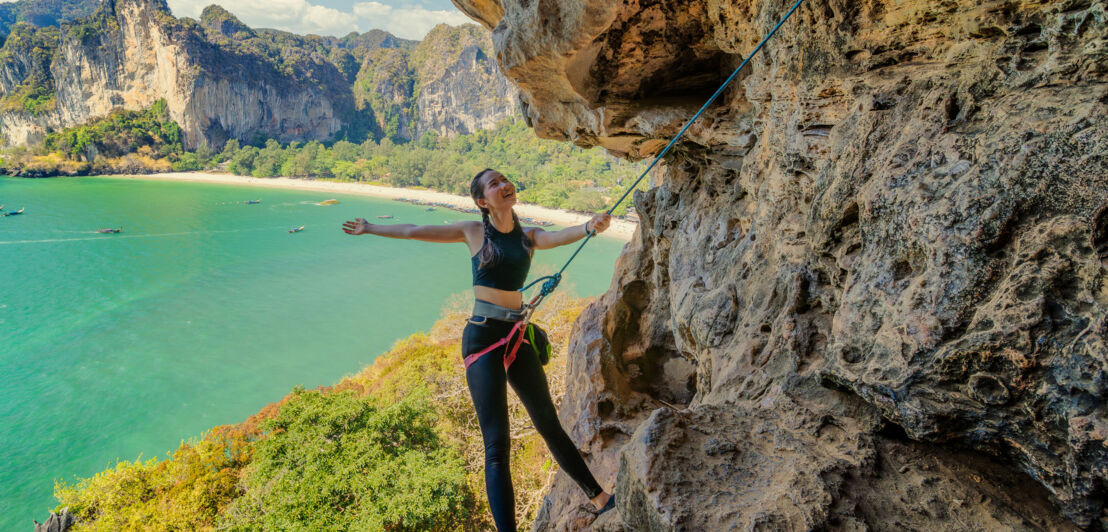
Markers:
(510, 355)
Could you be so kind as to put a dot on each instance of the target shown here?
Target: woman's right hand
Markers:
(358, 226)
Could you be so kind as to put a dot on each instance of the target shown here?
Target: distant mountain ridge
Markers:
(223, 80)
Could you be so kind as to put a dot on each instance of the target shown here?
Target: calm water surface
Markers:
(202, 311)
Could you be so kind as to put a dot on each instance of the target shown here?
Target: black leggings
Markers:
(486, 378)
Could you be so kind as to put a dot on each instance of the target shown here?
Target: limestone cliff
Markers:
(869, 291)
(222, 79)
(450, 63)
(133, 52)
(448, 84)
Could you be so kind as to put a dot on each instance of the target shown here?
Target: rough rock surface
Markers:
(57, 522)
(870, 289)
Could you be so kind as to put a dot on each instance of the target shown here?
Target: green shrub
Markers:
(548, 173)
(188, 162)
(334, 461)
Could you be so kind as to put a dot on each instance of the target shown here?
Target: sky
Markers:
(409, 19)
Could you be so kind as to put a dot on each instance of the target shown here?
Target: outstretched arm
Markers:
(455, 232)
(552, 239)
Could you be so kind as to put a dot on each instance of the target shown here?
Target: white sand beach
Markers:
(620, 229)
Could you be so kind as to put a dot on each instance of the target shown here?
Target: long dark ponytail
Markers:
(490, 251)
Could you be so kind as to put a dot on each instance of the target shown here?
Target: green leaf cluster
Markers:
(44, 12)
(120, 133)
(335, 461)
(31, 50)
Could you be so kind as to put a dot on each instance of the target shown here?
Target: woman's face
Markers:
(499, 192)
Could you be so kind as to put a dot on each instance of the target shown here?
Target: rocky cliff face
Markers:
(870, 289)
(134, 53)
(448, 84)
(223, 80)
(450, 63)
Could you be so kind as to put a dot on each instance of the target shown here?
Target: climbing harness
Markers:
(509, 354)
(551, 281)
(523, 332)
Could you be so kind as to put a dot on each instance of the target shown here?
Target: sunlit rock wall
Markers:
(869, 291)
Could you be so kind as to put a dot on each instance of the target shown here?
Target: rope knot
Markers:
(550, 284)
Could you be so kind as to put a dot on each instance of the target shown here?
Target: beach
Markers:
(621, 229)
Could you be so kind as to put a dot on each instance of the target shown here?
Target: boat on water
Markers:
(13, 213)
(252, 201)
(385, 216)
(110, 230)
(296, 229)
(329, 202)
(430, 208)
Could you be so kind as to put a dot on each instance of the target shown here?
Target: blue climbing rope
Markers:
(551, 281)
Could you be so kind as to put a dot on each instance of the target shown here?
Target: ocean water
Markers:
(202, 311)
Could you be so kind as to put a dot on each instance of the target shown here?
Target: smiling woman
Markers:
(335, 17)
(500, 251)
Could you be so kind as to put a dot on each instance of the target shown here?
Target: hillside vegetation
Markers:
(549, 173)
(394, 447)
(122, 142)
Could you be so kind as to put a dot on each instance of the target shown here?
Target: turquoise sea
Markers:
(202, 311)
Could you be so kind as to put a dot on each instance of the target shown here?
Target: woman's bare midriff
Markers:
(505, 298)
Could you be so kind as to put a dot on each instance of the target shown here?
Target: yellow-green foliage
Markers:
(51, 163)
(185, 492)
(394, 447)
(132, 163)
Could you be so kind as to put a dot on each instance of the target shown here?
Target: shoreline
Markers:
(619, 229)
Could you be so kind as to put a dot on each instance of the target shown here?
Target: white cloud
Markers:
(406, 22)
(301, 16)
(372, 10)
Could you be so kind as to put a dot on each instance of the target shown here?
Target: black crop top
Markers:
(510, 272)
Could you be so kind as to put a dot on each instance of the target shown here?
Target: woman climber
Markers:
(500, 250)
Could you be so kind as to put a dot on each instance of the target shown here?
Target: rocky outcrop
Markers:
(134, 52)
(870, 290)
(223, 80)
(385, 85)
(57, 522)
(450, 63)
(447, 84)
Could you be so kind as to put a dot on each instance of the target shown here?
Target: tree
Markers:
(588, 200)
(242, 162)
